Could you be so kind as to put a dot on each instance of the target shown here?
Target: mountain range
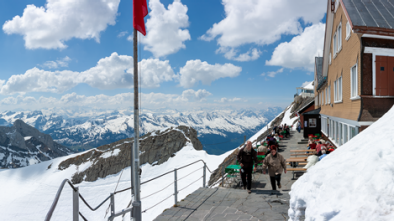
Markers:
(218, 130)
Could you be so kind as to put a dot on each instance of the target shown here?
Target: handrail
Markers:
(55, 201)
(165, 174)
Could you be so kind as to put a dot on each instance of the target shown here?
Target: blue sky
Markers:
(197, 54)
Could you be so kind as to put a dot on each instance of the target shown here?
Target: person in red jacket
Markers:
(247, 157)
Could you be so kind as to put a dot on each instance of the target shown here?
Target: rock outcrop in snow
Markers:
(22, 145)
(155, 148)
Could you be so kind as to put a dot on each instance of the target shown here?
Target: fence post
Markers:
(76, 204)
(204, 179)
(175, 187)
(112, 205)
(223, 178)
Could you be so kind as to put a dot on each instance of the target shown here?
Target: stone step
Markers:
(303, 142)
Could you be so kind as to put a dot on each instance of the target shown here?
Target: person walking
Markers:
(247, 157)
(275, 164)
(299, 126)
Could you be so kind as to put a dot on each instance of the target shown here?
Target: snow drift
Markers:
(355, 182)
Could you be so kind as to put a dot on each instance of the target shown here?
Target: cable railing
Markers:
(111, 197)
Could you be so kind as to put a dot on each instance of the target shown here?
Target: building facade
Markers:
(355, 86)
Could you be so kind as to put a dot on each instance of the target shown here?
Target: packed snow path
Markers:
(235, 203)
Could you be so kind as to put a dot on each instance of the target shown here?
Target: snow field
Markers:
(355, 182)
(29, 192)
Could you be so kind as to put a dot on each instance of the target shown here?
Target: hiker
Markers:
(299, 126)
(246, 157)
(287, 132)
(275, 163)
(262, 148)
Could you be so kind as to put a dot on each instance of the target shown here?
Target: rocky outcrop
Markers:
(155, 148)
(23, 145)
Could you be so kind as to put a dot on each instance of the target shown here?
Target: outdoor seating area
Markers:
(316, 146)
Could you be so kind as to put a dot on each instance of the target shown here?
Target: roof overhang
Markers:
(373, 30)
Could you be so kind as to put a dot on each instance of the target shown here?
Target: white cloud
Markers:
(306, 83)
(231, 54)
(58, 63)
(123, 33)
(226, 100)
(272, 73)
(124, 100)
(192, 95)
(251, 21)
(115, 71)
(301, 51)
(154, 71)
(166, 31)
(50, 26)
(196, 70)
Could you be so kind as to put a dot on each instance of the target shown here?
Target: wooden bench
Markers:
(299, 154)
(297, 169)
(303, 151)
(299, 164)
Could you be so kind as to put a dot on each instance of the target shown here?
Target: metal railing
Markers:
(77, 195)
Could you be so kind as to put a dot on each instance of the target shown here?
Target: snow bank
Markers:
(355, 182)
(27, 193)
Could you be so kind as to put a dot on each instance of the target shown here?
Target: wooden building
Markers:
(308, 107)
(356, 84)
(312, 122)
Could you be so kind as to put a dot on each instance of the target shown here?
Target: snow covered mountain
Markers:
(87, 128)
(101, 171)
(23, 145)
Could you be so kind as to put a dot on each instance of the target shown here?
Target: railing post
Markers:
(112, 205)
(204, 175)
(175, 187)
(76, 204)
(222, 178)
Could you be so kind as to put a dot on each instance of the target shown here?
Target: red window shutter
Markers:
(390, 70)
(381, 76)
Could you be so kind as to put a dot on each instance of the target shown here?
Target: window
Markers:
(348, 30)
(335, 91)
(353, 132)
(345, 135)
(353, 82)
(336, 132)
(339, 36)
(329, 94)
(321, 99)
(340, 134)
(338, 90)
(330, 59)
(325, 96)
(334, 49)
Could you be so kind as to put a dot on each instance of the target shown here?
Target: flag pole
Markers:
(135, 164)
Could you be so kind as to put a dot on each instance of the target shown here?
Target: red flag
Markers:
(140, 10)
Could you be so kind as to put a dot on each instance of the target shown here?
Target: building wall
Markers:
(347, 57)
